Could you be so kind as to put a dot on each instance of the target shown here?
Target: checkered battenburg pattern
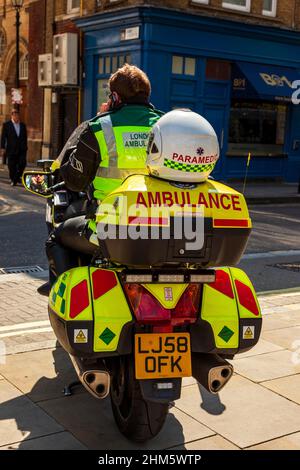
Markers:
(189, 168)
(58, 295)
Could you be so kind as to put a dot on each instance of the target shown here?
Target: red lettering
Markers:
(194, 160)
(236, 203)
(225, 196)
(188, 159)
(202, 200)
(154, 199)
(141, 200)
(175, 155)
(179, 199)
(214, 200)
(167, 199)
(207, 160)
(180, 158)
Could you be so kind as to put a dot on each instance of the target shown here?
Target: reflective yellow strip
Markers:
(110, 140)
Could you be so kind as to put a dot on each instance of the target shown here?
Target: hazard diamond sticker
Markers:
(248, 332)
(225, 334)
(107, 336)
(80, 336)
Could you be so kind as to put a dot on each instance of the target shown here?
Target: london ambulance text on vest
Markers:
(135, 139)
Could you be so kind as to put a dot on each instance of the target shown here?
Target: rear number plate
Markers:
(162, 355)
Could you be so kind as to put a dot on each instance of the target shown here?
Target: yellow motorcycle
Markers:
(158, 305)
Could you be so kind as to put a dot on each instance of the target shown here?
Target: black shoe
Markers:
(44, 289)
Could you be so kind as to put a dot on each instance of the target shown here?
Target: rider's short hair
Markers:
(131, 84)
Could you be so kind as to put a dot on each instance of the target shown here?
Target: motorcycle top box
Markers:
(153, 222)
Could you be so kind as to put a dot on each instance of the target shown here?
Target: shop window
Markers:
(24, 64)
(241, 5)
(2, 43)
(257, 127)
(218, 69)
(269, 7)
(110, 64)
(183, 65)
(73, 6)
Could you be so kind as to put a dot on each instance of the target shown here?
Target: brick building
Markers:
(232, 60)
(8, 56)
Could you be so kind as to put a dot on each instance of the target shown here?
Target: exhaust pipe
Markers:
(94, 379)
(211, 371)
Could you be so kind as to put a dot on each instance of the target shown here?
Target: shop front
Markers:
(240, 77)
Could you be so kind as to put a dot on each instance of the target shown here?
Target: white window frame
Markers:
(273, 12)
(232, 6)
(71, 9)
(24, 67)
(204, 2)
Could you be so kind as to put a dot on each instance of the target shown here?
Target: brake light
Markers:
(223, 283)
(148, 310)
(246, 297)
(79, 299)
(186, 311)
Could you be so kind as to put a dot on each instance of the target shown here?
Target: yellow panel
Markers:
(222, 313)
(60, 295)
(210, 199)
(111, 313)
(238, 274)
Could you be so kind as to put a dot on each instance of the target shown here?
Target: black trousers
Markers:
(68, 243)
(16, 166)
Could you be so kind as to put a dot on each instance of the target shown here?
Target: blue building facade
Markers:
(239, 76)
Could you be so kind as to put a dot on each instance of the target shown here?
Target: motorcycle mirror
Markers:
(37, 182)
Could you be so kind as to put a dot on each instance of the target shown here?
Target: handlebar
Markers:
(57, 187)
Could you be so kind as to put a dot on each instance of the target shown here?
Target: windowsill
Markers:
(232, 12)
(68, 16)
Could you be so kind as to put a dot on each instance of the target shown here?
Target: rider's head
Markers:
(129, 84)
(182, 147)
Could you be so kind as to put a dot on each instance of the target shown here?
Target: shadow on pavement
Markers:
(44, 411)
(211, 403)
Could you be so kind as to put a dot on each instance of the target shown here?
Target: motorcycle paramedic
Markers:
(108, 148)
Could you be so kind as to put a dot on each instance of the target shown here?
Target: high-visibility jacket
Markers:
(122, 137)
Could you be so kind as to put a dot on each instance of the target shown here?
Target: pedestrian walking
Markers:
(14, 143)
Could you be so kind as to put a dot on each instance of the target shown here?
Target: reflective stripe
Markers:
(117, 173)
(110, 140)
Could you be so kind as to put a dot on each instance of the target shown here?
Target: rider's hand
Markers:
(105, 107)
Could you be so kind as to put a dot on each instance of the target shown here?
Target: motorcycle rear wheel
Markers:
(137, 419)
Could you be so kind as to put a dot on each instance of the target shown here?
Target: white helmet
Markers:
(182, 146)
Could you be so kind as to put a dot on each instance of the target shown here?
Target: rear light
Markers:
(141, 278)
(223, 283)
(246, 297)
(203, 278)
(186, 311)
(148, 310)
(171, 278)
(79, 299)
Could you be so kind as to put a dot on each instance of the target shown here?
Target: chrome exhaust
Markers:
(211, 371)
(92, 377)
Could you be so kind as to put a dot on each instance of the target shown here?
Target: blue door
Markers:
(215, 109)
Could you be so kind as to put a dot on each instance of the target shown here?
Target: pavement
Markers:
(258, 409)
